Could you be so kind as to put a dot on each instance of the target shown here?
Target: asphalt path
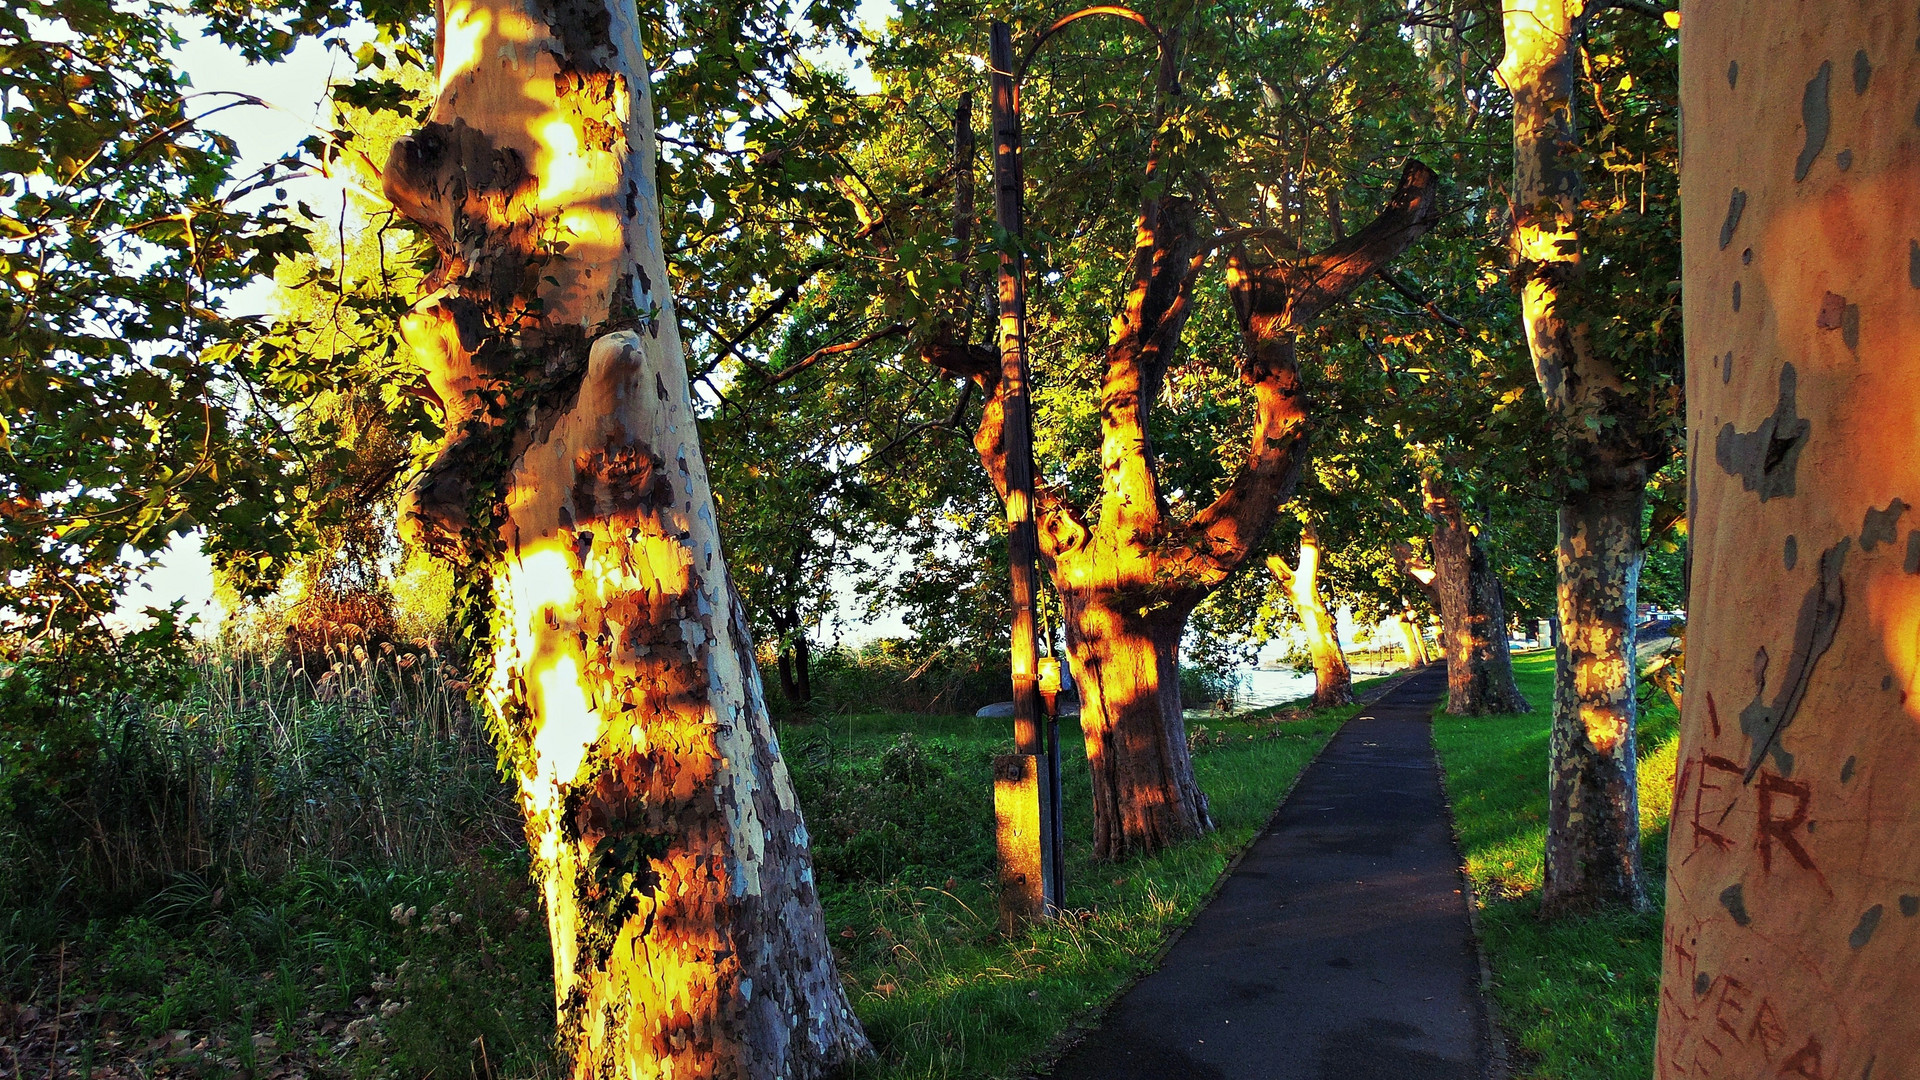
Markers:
(1339, 949)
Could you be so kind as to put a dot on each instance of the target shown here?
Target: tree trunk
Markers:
(1793, 897)
(796, 684)
(788, 688)
(667, 841)
(1332, 678)
(1593, 833)
(1127, 668)
(1473, 618)
(1416, 643)
(1593, 818)
(1127, 576)
(803, 667)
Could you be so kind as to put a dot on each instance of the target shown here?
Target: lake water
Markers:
(1261, 687)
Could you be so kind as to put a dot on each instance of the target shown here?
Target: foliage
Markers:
(1577, 993)
(58, 692)
(364, 752)
(124, 416)
(901, 676)
(909, 815)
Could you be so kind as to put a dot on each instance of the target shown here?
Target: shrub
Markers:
(921, 803)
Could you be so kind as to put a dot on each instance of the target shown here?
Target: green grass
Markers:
(1577, 994)
(328, 958)
(941, 992)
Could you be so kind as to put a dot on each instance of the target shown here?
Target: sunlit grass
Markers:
(1576, 994)
(944, 995)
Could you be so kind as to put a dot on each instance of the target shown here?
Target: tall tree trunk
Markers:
(1593, 831)
(1127, 667)
(1332, 678)
(669, 847)
(1793, 897)
(1416, 643)
(1473, 618)
(803, 667)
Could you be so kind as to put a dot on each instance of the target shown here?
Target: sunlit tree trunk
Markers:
(687, 937)
(1793, 888)
(1127, 574)
(1127, 666)
(1332, 678)
(1414, 642)
(1473, 616)
(1593, 830)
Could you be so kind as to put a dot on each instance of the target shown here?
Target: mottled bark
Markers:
(1332, 678)
(667, 840)
(1473, 616)
(1127, 667)
(1593, 794)
(1593, 837)
(1793, 885)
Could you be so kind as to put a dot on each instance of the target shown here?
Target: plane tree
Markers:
(1147, 503)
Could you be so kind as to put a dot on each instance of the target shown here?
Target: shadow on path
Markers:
(1340, 949)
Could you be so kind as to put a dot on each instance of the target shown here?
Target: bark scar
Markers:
(1881, 526)
(1736, 206)
(1765, 458)
(1812, 636)
(1817, 117)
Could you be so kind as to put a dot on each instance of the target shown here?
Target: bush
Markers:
(921, 803)
(1201, 687)
(893, 675)
(256, 768)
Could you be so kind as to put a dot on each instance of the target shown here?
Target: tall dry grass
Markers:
(355, 755)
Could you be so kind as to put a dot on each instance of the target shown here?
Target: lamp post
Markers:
(1025, 795)
(1027, 782)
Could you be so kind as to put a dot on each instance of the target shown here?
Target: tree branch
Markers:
(1637, 7)
(779, 304)
(951, 423)
(825, 351)
(1417, 300)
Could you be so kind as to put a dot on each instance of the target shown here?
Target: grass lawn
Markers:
(940, 992)
(353, 965)
(1577, 994)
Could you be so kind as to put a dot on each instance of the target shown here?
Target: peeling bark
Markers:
(1332, 677)
(1473, 616)
(667, 840)
(1793, 893)
(1593, 835)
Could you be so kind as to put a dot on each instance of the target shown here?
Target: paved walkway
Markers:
(1340, 949)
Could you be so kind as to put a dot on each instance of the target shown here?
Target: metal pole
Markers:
(1022, 541)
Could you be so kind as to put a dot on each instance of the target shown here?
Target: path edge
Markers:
(1499, 1043)
(1041, 1064)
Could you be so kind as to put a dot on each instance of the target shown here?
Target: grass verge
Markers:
(1576, 994)
(354, 966)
